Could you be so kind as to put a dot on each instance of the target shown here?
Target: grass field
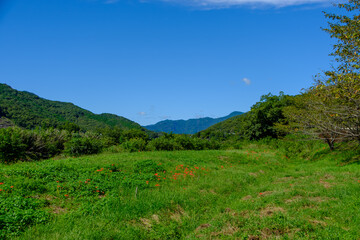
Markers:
(255, 193)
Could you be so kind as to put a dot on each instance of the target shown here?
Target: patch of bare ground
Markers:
(255, 174)
(223, 157)
(146, 222)
(212, 191)
(318, 199)
(325, 184)
(266, 193)
(231, 212)
(317, 222)
(178, 214)
(202, 226)
(267, 233)
(248, 197)
(329, 177)
(57, 209)
(269, 211)
(294, 199)
(251, 237)
(155, 218)
(284, 179)
(228, 230)
(245, 214)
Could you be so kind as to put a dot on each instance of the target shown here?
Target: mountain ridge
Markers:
(28, 110)
(190, 126)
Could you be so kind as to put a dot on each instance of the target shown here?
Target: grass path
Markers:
(238, 194)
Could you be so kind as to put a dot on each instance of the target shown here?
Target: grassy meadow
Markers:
(251, 193)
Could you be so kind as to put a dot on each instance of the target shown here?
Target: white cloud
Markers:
(142, 113)
(254, 3)
(209, 4)
(246, 81)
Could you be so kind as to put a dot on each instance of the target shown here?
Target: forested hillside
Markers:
(29, 111)
(190, 126)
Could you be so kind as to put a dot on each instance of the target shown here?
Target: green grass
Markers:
(239, 194)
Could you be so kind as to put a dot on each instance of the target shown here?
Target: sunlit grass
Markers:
(252, 194)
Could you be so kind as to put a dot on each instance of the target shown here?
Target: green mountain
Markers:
(29, 111)
(190, 126)
(226, 128)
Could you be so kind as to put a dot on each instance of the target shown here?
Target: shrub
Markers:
(83, 145)
(134, 145)
(12, 147)
(163, 144)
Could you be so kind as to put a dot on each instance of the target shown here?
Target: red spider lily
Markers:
(11, 186)
(66, 195)
(147, 182)
(157, 185)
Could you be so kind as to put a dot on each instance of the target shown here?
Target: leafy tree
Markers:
(263, 117)
(331, 108)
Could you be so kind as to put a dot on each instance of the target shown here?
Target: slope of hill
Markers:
(223, 129)
(28, 110)
(190, 126)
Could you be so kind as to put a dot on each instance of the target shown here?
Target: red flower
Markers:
(147, 182)
(157, 185)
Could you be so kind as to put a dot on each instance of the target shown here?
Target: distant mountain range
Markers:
(190, 126)
(29, 111)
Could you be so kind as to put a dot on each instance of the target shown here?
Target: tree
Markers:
(264, 116)
(340, 91)
(331, 108)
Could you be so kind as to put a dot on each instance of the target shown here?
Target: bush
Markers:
(163, 143)
(134, 145)
(12, 147)
(83, 145)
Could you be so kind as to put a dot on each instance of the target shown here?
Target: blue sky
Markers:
(154, 60)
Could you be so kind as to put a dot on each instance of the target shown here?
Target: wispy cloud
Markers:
(233, 3)
(246, 81)
(142, 113)
(252, 3)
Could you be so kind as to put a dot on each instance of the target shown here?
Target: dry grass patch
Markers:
(146, 222)
(269, 211)
(294, 199)
(248, 197)
(266, 193)
(325, 184)
(228, 230)
(318, 222)
(231, 212)
(202, 226)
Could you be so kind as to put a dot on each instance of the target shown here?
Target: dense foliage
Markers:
(30, 111)
(330, 110)
(260, 122)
